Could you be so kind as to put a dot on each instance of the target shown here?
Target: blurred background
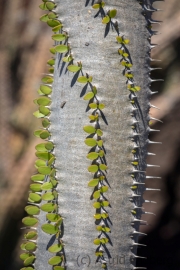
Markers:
(24, 51)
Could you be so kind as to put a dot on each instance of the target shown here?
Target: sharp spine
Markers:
(154, 106)
(153, 189)
(151, 142)
(150, 177)
(147, 201)
(150, 165)
(151, 154)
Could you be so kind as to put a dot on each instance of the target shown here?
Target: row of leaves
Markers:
(127, 72)
(44, 183)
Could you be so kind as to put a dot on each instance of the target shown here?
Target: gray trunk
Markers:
(95, 46)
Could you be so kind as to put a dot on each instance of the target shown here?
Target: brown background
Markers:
(24, 51)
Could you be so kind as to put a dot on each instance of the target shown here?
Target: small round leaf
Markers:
(44, 170)
(96, 194)
(49, 228)
(82, 79)
(90, 142)
(53, 217)
(43, 101)
(35, 187)
(61, 48)
(106, 19)
(44, 134)
(37, 177)
(59, 37)
(34, 197)
(30, 246)
(46, 89)
(93, 168)
(48, 196)
(73, 68)
(29, 221)
(30, 235)
(93, 155)
(97, 241)
(89, 129)
(89, 96)
(55, 248)
(29, 260)
(55, 260)
(48, 207)
(45, 123)
(47, 186)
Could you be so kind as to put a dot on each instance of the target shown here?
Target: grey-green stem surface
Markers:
(99, 59)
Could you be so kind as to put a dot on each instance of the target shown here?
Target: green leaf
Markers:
(103, 167)
(44, 18)
(129, 75)
(44, 170)
(97, 216)
(119, 39)
(83, 79)
(93, 168)
(89, 129)
(37, 133)
(94, 182)
(37, 114)
(104, 215)
(55, 260)
(52, 15)
(43, 6)
(55, 248)
(104, 240)
(34, 197)
(29, 221)
(46, 89)
(48, 80)
(47, 186)
(51, 62)
(93, 105)
(29, 260)
(59, 37)
(51, 70)
(135, 163)
(30, 235)
(40, 163)
(44, 155)
(73, 68)
(41, 147)
(45, 123)
(100, 5)
(48, 196)
(54, 182)
(59, 268)
(94, 117)
(100, 143)
(105, 203)
(30, 246)
(37, 177)
(44, 134)
(57, 28)
(99, 132)
(49, 146)
(96, 194)
(97, 205)
(101, 153)
(61, 48)
(101, 106)
(49, 228)
(106, 19)
(22, 246)
(24, 256)
(53, 217)
(44, 110)
(50, 5)
(89, 96)
(97, 241)
(93, 155)
(48, 207)
(112, 13)
(52, 50)
(90, 142)
(50, 162)
(35, 187)
(32, 210)
(67, 59)
(27, 268)
(103, 189)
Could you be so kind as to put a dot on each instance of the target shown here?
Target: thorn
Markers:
(27, 228)
(139, 257)
(154, 68)
(150, 165)
(150, 177)
(152, 118)
(151, 142)
(151, 154)
(149, 213)
(137, 171)
(138, 183)
(137, 244)
(153, 93)
(136, 232)
(153, 106)
(139, 220)
(147, 201)
(154, 21)
(153, 130)
(156, 80)
(158, 60)
(134, 268)
(153, 189)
